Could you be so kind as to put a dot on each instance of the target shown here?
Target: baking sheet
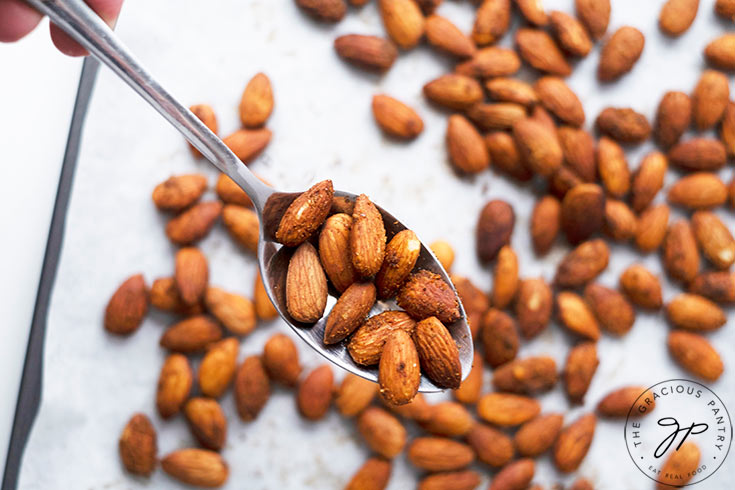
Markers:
(322, 128)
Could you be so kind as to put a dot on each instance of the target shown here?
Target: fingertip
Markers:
(24, 20)
(65, 44)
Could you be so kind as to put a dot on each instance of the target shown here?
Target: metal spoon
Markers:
(85, 27)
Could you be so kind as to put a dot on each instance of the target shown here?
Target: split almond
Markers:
(540, 51)
(367, 343)
(367, 237)
(179, 192)
(673, 116)
(137, 445)
(454, 91)
(714, 238)
(349, 312)
(305, 214)
(251, 389)
(403, 22)
(532, 374)
(506, 409)
(247, 144)
(499, 337)
(194, 223)
(334, 251)
(467, 150)
(492, 446)
(174, 385)
(306, 285)
(538, 434)
(382, 432)
(243, 225)
(401, 254)
(399, 374)
(218, 367)
(197, 467)
(438, 353)
(576, 315)
(194, 334)
(620, 53)
(642, 287)
(494, 229)
(573, 443)
(533, 306)
(281, 359)
(694, 312)
(695, 354)
(370, 52)
(396, 118)
(127, 306)
(582, 264)
(207, 422)
(426, 294)
(579, 369)
(256, 104)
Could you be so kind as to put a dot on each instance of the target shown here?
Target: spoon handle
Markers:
(81, 23)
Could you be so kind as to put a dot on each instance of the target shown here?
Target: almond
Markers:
(573, 443)
(528, 375)
(235, 312)
(579, 152)
(699, 190)
(621, 223)
(560, 100)
(334, 251)
(469, 390)
(369, 52)
(623, 125)
(251, 389)
(306, 285)
(533, 11)
(545, 223)
(540, 51)
(198, 467)
(579, 369)
(499, 337)
(127, 306)
(367, 237)
(443, 252)
(576, 315)
(256, 103)
(455, 480)
(174, 385)
(595, 15)
(396, 118)
(511, 90)
(194, 223)
(538, 146)
(710, 98)
(648, 180)
(417, 409)
(218, 367)
(570, 33)
(673, 117)
(718, 286)
(281, 359)
(467, 150)
(137, 445)
(448, 419)
(582, 264)
(612, 310)
(399, 374)
(695, 354)
(179, 192)
(694, 312)
(439, 454)
(194, 334)
(382, 432)
(714, 238)
(426, 294)
(727, 136)
(699, 154)
(620, 53)
(517, 474)
(642, 287)
(374, 474)
(562, 181)
(613, 167)
(620, 402)
(305, 214)
(367, 343)
(438, 353)
(676, 16)
(491, 22)
(680, 466)
(243, 225)
(490, 62)
(474, 300)
(494, 229)
(165, 296)
(454, 91)
(533, 306)
(207, 422)
(401, 254)
(538, 434)
(725, 9)
(206, 114)
(354, 395)
(543, 117)
(720, 52)
(349, 312)
(403, 21)
(680, 255)
(506, 409)
(231, 193)
(504, 155)
(192, 274)
(247, 144)
(443, 34)
(492, 446)
(315, 393)
(505, 278)
(501, 115)
(324, 10)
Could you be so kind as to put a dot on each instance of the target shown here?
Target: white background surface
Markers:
(322, 129)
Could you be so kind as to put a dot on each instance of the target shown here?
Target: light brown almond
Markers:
(623, 124)
(218, 367)
(194, 223)
(383, 433)
(635, 400)
(443, 34)
(264, 309)
(281, 360)
(395, 118)
(613, 167)
(438, 354)
(367, 237)
(582, 264)
(537, 435)
(491, 22)
(138, 446)
(540, 51)
(439, 454)
(247, 144)
(443, 252)
(315, 393)
(492, 446)
(306, 285)
(695, 354)
(714, 238)
(694, 312)
(256, 103)
(251, 389)
(538, 146)
(127, 306)
(194, 334)
(165, 296)
(305, 214)
(727, 136)
(725, 9)
(621, 223)
(579, 369)
(417, 409)
(206, 114)
(454, 91)
(501, 115)
(506, 409)
(403, 22)
(545, 224)
(235, 312)
(454, 480)
(349, 312)
(560, 100)
(243, 225)
(648, 180)
(573, 443)
(710, 98)
(179, 192)
(174, 385)
(720, 52)
(369, 52)
(517, 474)
(466, 148)
(562, 181)
(612, 310)
(595, 15)
(494, 229)
(197, 467)
(207, 422)
(620, 53)
(399, 373)
(449, 419)
(354, 395)
(579, 152)
(533, 306)
(575, 314)
(642, 287)
(367, 343)
(401, 254)
(469, 390)
(533, 374)
(700, 190)
(511, 90)
(499, 337)
(699, 154)
(676, 16)
(570, 33)
(673, 116)
(680, 255)
(504, 155)
(680, 467)
(334, 251)
(490, 62)
(374, 474)
(505, 278)
(231, 193)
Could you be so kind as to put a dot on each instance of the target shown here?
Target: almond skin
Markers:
(368, 52)
(560, 100)
(382, 432)
(403, 22)
(501, 115)
(699, 154)
(179, 192)
(218, 367)
(491, 22)
(467, 150)
(193, 224)
(673, 116)
(648, 180)
(505, 156)
(710, 98)
(469, 390)
(368, 341)
(595, 15)
(540, 51)
(714, 238)
(642, 287)
(438, 353)
(545, 224)
(579, 369)
(694, 312)
(235, 312)
(612, 310)
(680, 466)
(619, 402)
(127, 306)
(621, 224)
(579, 152)
(247, 144)
(395, 118)
(194, 334)
(613, 167)
(330, 11)
(582, 264)
(349, 312)
(720, 52)
(251, 389)
(680, 255)
(243, 225)
(137, 445)
(623, 125)
(354, 395)
(576, 315)
(207, 422)
(206, 114)
(533, 306)
(191, 274)
(699, 190)
(306, 285)
(334, 251)
(197, 467)
(511, 90)
(449, 419)
(538, 146)
(573, 443)
(499, 337)
(620, 53)
(443, 34)
(538, 435)
(676, 16)
(367, 237)
(505, 278)
(454, 91)
(315, 393)
(439, 454)
(506, 409)
(256, 103)
(281, 360)
(528, 375)
(695, 354)
(570, 33)
(517, 474)
(174, 385)
(400, 257)
(490, 62)
(718, 286)
(374, 474)
(492, 446)
(305, 214)
(426, 294)
(456, 480)
(399, 374)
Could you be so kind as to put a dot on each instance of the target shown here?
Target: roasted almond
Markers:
(454, 480)
(680, 467)
(699, 154)
(334, 251)
(231, 193)
(499, 337)
(179, 192)
(247, 144)
(517, 474)
(727, 136)
(305, 214)
(206, 114)
(540, 51)
(613, 167)
(506, 409)
(306, 285)
(570, 33)
(251, 389)
(694, 312)
(374, 474)
(417, 409)
(533, 306)
(197, 467)
(438, 353)
(533, 11)
(315, 393)
(127, 306)
(579, 152)
(648, 180)
(505, 156)
(194, 334)
(235, 312)
(582, 264)
(281, 359)
(695, 354)
(490, 62)
(491, 22)
(719, 286)
(243, 225)
(579, 369)
(720, 52)
(395, 118)
(399, 374)
(218, 367)
(620, 53)
(680, 255)
(401, 254)
(174, 385)
(500, 115)
(529, 375)
(349, 312)
(367, 343)
(165, 296)
(454, 91)
(382, 432)
(467, 150)
(538, 146)
(621, 224)
(403, 21)
(492, 446)
(673, 116)
(699, 190)
(612, 310)
(621, 402)
(595, 15)
(714, 238)
(443, 34)
(354, 395)
(545, 223)
(623, 124)
(449, 419)
(137, 445)
(469, 390)
(426, 294)
(505, 278)
(443, 252)
(573, 443)
(651, 228)
(256, 103)
(538, 434)
(642, 287)
(676, 16)
(191, 274)
(494, 229)
(194, 223)
(710, 98)
(511, 90)
(207, 422)
(367, 237)
(575, 314)
(439, 454)
(560, 100)
(473, 299)
(370, 52)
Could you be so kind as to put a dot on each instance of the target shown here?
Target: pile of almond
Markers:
(527, 130)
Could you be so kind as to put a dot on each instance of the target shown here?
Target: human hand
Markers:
(18, 19)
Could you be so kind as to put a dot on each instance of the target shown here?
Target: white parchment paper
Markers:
(323, 128)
